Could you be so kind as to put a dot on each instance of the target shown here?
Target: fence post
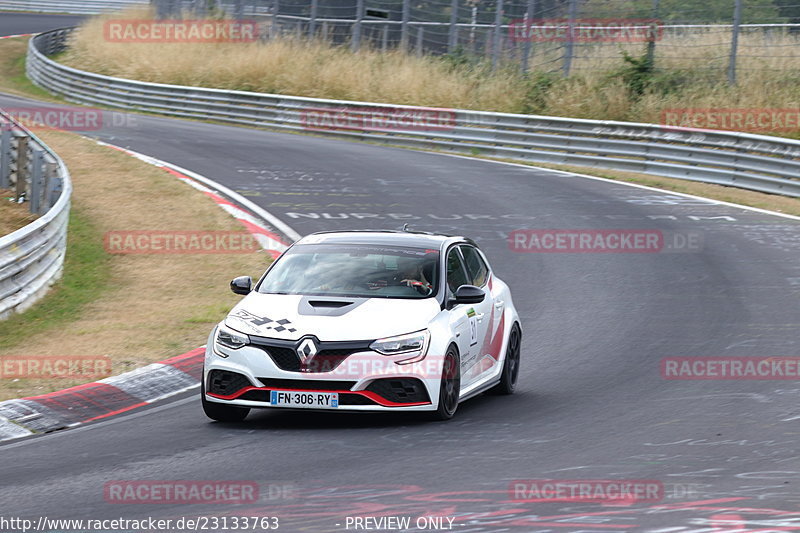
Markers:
(569, 49)
(5, 155)
(473, 24)
(737, 20)
(498, 28)
(22, 167)
(528, 44)
(404, 25)
(651, 41)
(385, 38)
(274, 27)
(452, 36)
(420, 42)
(312, 19)
(355, 44)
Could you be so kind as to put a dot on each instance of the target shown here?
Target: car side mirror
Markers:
(468, 294)
(242, 285)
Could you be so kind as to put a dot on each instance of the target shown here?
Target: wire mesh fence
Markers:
(726, 37)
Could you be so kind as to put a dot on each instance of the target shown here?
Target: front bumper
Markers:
(247, 376)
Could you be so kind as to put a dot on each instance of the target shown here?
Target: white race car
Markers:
(365, 321)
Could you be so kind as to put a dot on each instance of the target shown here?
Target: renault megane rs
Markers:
(365, 321)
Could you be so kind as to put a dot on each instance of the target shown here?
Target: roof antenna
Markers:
(405, 226)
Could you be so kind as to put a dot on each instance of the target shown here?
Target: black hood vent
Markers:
(328, 306)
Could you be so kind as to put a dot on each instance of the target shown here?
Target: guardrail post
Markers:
(5, 156)
(22, 167)
(452, 37)
(37, 164)
(50, 177)
(404, 25)
(355, 44)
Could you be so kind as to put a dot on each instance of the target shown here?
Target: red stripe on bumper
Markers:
(380, 400)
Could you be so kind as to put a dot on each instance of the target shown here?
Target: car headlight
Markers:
(413, 345)
(230, 338)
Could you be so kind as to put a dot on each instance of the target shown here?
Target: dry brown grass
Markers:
(693, 73)
(158, 305)
(295, 67)
(13, 216)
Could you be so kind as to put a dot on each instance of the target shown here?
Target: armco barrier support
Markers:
(756, 162)
(32, 257)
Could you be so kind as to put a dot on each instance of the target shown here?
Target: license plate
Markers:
(309, 400)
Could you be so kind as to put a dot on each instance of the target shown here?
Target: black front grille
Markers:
(225, 383)
(400, 390)
(256, 396)
(306, 384)
(354, 399)
(284, 358)
(329, 355)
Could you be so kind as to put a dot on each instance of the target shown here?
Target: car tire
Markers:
(508, 379)
(221, 412)
(449, 386)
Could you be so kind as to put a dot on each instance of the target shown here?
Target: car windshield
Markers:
(362, 271)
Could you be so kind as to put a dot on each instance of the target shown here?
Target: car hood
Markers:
(329, 318)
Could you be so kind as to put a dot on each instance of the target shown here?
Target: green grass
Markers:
(87, 273)
(20, 82)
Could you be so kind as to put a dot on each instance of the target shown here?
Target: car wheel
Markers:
(449, 387)
(221, 412)
(508, 379)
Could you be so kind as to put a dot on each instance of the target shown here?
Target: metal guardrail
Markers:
(88, 7)
(31, 258)
(756, 162)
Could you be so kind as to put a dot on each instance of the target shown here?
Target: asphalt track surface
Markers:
(17, 23)
(591, 402)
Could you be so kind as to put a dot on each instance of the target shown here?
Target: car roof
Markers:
(413, 239)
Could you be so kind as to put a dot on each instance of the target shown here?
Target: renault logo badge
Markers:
(306, 350)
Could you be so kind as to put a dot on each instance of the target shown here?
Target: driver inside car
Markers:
(410, 273)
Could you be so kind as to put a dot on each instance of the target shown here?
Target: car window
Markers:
(476, 267)
(363, 271)
(455, 271)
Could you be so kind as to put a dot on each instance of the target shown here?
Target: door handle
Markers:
(479, 316)
(499, 304)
